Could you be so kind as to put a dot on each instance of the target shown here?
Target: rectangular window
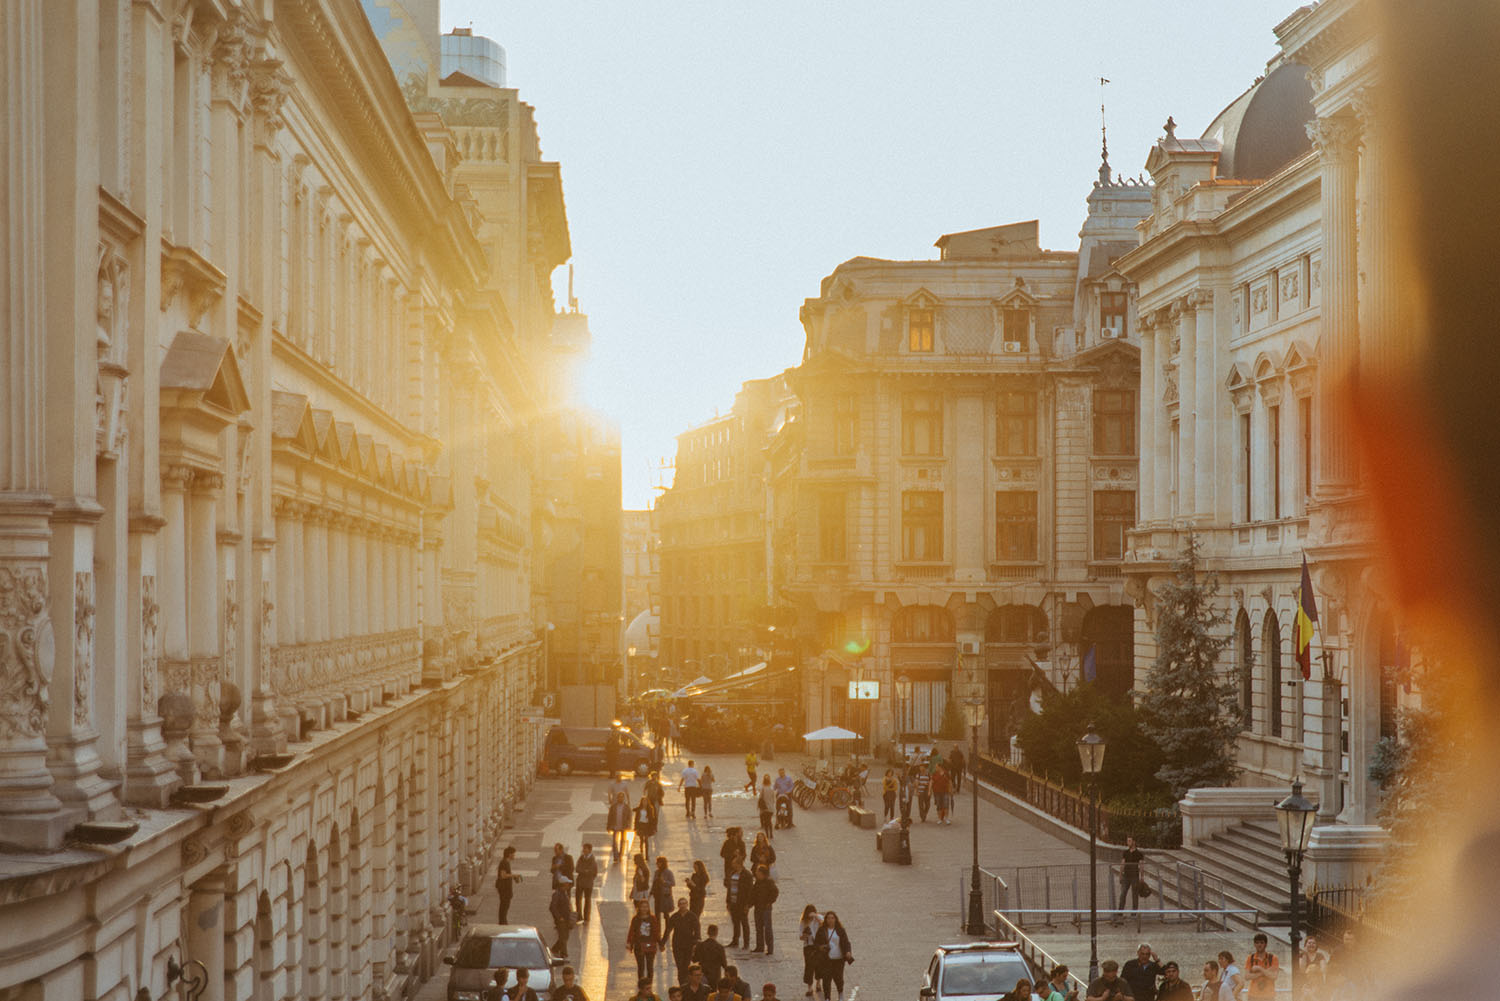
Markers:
(922, 525)
(1114, 422)
(1247, 467)
(1017, 326)
(919, 326)
(1275, 414)
(832, 526)
(1112, 313)
(1304, 427)
(922, 424)
(1015, 525)
(1015, 424)
(845, 416)
(1114, 513)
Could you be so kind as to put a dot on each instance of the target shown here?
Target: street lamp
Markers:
(974, 711)
(903, 699)
(1295, 817)
(1091, 754)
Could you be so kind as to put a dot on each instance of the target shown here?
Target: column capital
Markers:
(1335, 139)
(177, 478)
(205, 482)
(1199, 298)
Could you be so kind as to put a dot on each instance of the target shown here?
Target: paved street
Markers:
(894, 914)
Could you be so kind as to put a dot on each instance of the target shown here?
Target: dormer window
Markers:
(1112, 311)
(919, 330)
(1016, 328)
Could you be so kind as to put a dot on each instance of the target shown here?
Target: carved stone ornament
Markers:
(26, 651)
(1260, 299)
(150, 612)
(269, 87)
(1289, 287)
(1333, 138)
(231, 623)
(1169, 397)
(83, 645)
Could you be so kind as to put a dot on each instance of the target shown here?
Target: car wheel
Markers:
(563, 768)
(641, 770)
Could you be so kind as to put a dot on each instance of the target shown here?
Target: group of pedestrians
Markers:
(927, 782)
(1225, 978)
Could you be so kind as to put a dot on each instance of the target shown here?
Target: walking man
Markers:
(924, 790)
(682, 929)
(763, 897)
(689, 786)
(505, 882)
(956, 770)
(1130, 878)
(737, 893)
(561, 909)
(586, 869)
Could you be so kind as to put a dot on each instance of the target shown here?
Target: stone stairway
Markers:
(1249, 860)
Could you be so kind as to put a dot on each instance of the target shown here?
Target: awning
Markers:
(758, 674)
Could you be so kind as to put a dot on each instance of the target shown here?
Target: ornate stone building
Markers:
(269, 358)
(1265, 283)
(955, 492)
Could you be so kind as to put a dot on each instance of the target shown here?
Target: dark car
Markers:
(586, 749)
(486, 949)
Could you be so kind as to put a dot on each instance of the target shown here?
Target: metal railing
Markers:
(1046, 894)
(1159, 828)
(1040, 959)
(991, 885)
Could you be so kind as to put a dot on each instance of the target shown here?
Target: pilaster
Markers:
(1206, 418)
(1185, 330)
(1147, 408)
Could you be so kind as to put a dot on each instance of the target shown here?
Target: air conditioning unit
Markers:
(1111, 332)
(1012, 347)
(969, 647)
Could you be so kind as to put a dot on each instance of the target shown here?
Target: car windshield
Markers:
(486, 953)
(993, 974)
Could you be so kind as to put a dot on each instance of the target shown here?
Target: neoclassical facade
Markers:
(1265, 286)
(265, 497)
(951, 503)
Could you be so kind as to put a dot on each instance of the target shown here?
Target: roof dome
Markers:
(1265, 128)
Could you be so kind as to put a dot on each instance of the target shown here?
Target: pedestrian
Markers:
(663, 883)
(1212, 982)
(762, 853)
(653, 790)
(674, 993)
(1232, 986)
(505, 883)
(619, 825)
(612, 753)
(956, 765)
(908, 784)
(834, 953)
(1130, 879)
(1141, 973)
(561, 909)
(642, 939)
(710, 957)
(1312, 965)
(736, 982)
(521, 990)
(1261, 971)
(695, 988)
(645, 823)
(737, 892)
(751, 763)
(766, 802)
(807, 932)
(643, 991)
(942, 794)
(1173, 987)
(1109, 985)
(567, 990)
(682, 928)
(1021, 992)
(619, 787)
(726, 991)
(767, 992)
(688, 783)
(1056, 988)
(697, 885)
(640, 881)
(889, 786)
(734, 844)
(763, 896)
(562, 864)
(706, 791)
(784, 785)
(585, 873)
(924, 791)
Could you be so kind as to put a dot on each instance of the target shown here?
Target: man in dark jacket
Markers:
(586, 871)
(695, 988)
(738, 887)
(709, 956)
(956, 769)
(682, 929)
(561, 909)
(1141, 973)
(762, 896)
(562, 863)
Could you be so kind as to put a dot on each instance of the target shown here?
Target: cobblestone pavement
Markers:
(895, 914)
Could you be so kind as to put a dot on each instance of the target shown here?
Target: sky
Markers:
(720, 158)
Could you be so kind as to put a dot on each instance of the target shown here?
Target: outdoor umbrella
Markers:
(831, 733)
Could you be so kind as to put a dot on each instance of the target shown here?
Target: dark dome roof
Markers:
(1265, 128)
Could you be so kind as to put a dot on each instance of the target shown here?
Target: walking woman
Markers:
(942, 793)
(766, 803)
(888, 789)
(640, 882)
(762, 853)
(734, 844)
(619, 824)
(834, 954)
(645, 823)
(706, 791)
(663, 882)
(642, 939)
(807, 932)
(697, 885)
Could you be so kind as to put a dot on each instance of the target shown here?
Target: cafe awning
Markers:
(755, 676)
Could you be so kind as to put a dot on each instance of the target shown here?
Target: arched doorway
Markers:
(1244, 662)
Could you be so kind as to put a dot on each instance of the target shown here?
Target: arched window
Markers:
(1245, 668)
(1016, 624)
(1109, 630)
(923, 624)
(1271, 640)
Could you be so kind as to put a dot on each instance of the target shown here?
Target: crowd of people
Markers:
(1321, 974)
(924, 783)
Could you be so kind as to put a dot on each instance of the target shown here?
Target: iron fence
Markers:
(1179, 892)
(992, 887)
(1159, 828)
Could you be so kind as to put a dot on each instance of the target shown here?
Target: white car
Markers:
(975, 969)
(486, 949)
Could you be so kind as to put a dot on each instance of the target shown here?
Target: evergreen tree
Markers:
(1190, 707)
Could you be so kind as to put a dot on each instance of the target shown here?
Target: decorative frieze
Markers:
(26, 652)
(83, 647)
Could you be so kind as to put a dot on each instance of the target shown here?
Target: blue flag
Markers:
(1090, 669)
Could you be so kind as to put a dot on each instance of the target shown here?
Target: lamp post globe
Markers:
(1295, 817)
(1091, 748)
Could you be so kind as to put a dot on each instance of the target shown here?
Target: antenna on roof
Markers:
(1103, 137)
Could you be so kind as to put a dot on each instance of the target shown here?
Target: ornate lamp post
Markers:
(974, 712)
(903, 699)
(1091, 754)
(1295, 817)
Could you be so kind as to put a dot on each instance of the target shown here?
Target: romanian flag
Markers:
(1307, 617)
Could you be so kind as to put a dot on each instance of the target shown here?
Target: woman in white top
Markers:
(808, 931)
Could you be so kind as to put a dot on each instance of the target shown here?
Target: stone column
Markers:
(969, 530)
(391, 563)
(359, 602)
(1146, 409)
(1387, 340)
(203, 619)
(1335, 140)
(338, 555)
(1157, 407)
(375, 542)
(1206, 390)
(1184, 326)
(203, 930)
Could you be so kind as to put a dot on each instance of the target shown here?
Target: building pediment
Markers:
(1108, 353)
(292, 423)
(920, 299)
(1239, 377)
(1018, 297)
(201, 395)
(1266, 367)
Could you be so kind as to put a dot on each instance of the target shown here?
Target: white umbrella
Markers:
(831, 733)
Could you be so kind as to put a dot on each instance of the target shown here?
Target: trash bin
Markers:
(894, 843)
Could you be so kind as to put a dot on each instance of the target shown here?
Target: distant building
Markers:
(954, 495)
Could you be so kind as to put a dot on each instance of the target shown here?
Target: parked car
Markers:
(974, 969)
(484, 949)
(585, 749)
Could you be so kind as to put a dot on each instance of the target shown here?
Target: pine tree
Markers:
(1190, 707)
